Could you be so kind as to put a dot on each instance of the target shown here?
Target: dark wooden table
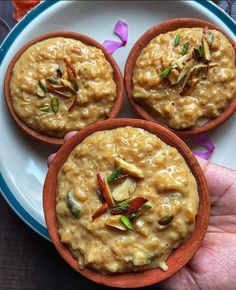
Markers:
(27, 261)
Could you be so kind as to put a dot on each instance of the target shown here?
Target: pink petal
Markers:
(111, 45)
(121, 30)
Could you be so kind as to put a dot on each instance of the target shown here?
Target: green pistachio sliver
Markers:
(119, 209)
(127, 223)
(55, 105)
(60, 70)
(199, 53)
(43, 85)
(177, 40)
(185, 48)
(54, 81)
(41, 93)
(147, 206)
(124, 202)
(166, 71)
(72, 204)
(114, 175)
(75, 85)
(68, 85)
(165, 220)
(86, 85)
(206, 50)
(46, 109)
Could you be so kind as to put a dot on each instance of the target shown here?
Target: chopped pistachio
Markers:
(68, 85)
(86, 84)
(165, 220)
(45, 109)
(126, 222)
(199, 53)
(75, 85)
(72, 204)
(43, 85)
(60, 70)
(54, 81)
(147, 206)
(177, 40)
(206, 50)
(166, 71)
(185, 48)
(41, 93)
(119, 209)
(114, 175)
(55, 105)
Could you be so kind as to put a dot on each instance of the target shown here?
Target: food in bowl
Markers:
(184, 75)
(63, 83)
(125, 200)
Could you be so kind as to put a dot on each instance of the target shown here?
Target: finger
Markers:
(69, 135)
(50, 158)
(219, 178)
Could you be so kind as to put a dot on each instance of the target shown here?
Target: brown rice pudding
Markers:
(61, 84)
(186, 77)
(125, 201)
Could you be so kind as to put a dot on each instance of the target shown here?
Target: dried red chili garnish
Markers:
(100, 211)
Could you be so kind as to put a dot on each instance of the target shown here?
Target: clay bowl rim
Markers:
(179, 257)
(142, 42)
(117, 77)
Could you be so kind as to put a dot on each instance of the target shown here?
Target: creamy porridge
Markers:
(125, 201)
(186, 77)
(61, 84)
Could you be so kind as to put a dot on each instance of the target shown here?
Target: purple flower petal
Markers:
(204, 155)
(111, 45)
(204, 141)
(121, 30)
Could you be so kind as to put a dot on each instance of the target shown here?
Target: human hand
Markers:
(214, 264)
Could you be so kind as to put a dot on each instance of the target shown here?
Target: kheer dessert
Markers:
(125, 201)
(62, 84)
(185, 77)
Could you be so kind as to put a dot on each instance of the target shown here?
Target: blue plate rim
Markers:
(7, 43)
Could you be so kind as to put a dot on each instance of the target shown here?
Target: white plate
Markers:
(23, 161)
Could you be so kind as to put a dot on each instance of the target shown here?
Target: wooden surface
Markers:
(27, 261)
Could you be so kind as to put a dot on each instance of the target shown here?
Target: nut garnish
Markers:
(128, 168)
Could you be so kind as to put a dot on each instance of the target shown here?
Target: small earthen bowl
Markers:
(117, 76)
(179, 257)
(142, 42)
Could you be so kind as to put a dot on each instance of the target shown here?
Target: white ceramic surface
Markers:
(23, 161)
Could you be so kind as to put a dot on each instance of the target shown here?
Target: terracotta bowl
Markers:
(179, 257)
(142, 42)
(117, 76)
